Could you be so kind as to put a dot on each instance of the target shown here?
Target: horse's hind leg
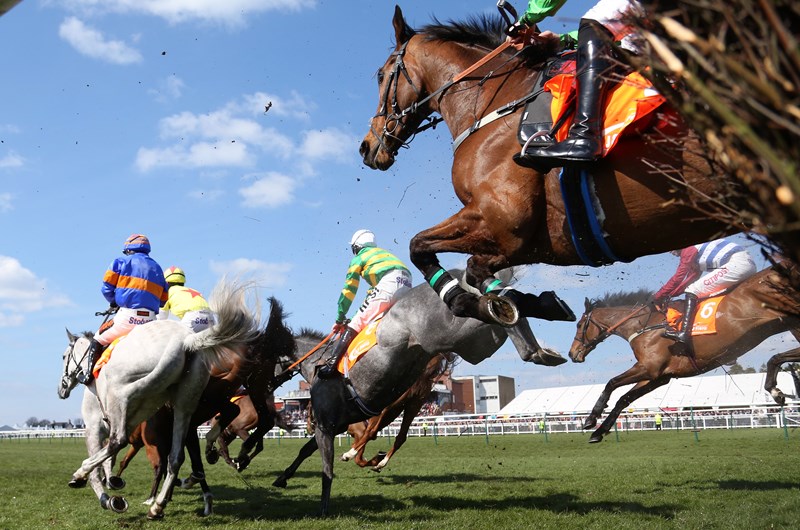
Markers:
(771, 379)
(198, 473)
(634, 374)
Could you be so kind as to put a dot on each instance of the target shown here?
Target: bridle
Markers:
(605, 331)
(68, 376)
(398, 115)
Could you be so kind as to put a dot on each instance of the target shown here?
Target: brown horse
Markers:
(745, 317)
(409, 404)
(241, 427)
(650, 192)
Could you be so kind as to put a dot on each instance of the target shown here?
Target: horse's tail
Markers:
(235, 328)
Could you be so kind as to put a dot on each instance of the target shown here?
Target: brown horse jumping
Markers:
(650, 192)
(745, 317)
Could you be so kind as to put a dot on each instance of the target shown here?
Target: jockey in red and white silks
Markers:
(709, 268)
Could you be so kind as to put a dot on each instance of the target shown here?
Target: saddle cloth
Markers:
(364, 341)
(705, 320)
(630, 100)
(105, 356)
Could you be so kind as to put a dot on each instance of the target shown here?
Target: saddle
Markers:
(364, 341)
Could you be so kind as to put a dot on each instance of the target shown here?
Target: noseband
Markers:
(71, 358)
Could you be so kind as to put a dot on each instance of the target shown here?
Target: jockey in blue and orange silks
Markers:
(388, 278)
(135, 284)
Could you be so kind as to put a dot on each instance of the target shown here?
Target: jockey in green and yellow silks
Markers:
(387, 276)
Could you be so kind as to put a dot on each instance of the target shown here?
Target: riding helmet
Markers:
(175, 275)
(362, 238)
(137, 243)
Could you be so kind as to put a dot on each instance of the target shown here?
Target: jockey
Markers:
(704, 270)
(599, 28)
(388, 278)
(135, 284)
(187, 304)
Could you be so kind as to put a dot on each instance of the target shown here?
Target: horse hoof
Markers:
(155, 516)
(115, 483)
(593, 439)
(212, 456)
(242, 462)
(280, 482)
(547, 357)
(77, 483)
(590, 423)
(118, 504)
(498, 309)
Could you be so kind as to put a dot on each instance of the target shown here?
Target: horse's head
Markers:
(400, 88)
(588, 336)
(74, 361)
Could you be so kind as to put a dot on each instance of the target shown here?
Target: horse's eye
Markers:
(380, 78)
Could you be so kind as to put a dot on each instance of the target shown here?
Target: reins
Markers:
(606, 331)
(310, 352)
(288, 373)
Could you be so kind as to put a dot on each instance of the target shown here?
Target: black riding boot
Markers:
(94, 352)
(585, 140)
(684, 334)
(328, 370)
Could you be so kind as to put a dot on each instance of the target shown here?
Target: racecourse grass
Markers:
(670, 479)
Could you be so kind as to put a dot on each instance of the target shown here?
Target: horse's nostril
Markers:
(364, 148)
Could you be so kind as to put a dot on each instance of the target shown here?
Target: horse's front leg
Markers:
(642, 388)
(198, 475)
(547, 305)
(461, 233)
(325, 443)
(634, 374)
(305, 451)
(771, 379)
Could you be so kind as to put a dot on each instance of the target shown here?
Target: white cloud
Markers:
(168, 89)
(22, 292)
(5, 202)
(265, 274)
(270, 191)
(329, 143)
(200, 154)
(93, 43)
(11, 160)
(229, 12)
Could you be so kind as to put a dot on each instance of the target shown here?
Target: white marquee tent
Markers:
(717, 391)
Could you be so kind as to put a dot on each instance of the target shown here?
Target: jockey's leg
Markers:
(585, 140)
(328, 370)
(684, 335)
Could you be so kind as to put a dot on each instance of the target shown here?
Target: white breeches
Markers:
(380, 298)
(124, 321)
(739, 267)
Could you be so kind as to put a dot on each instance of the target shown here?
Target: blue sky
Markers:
(121, 117)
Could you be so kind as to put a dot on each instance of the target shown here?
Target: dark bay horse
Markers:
(255, 373)
(651, 192)
(417, 328)
(745, 317)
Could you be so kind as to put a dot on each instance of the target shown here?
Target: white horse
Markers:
(157, 363)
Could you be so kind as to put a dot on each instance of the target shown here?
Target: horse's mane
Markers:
(311, 333)
(619, 299)
(277, 338)
(483, 30)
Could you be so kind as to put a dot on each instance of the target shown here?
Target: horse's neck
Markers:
(467, 101)
(627, 320)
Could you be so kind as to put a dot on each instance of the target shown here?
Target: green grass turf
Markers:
(719, 479)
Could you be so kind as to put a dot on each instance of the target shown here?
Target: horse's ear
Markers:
(586, 304)
(72, 338)
(402, 32)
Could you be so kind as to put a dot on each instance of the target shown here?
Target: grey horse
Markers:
(157, 363)
(416, 328)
